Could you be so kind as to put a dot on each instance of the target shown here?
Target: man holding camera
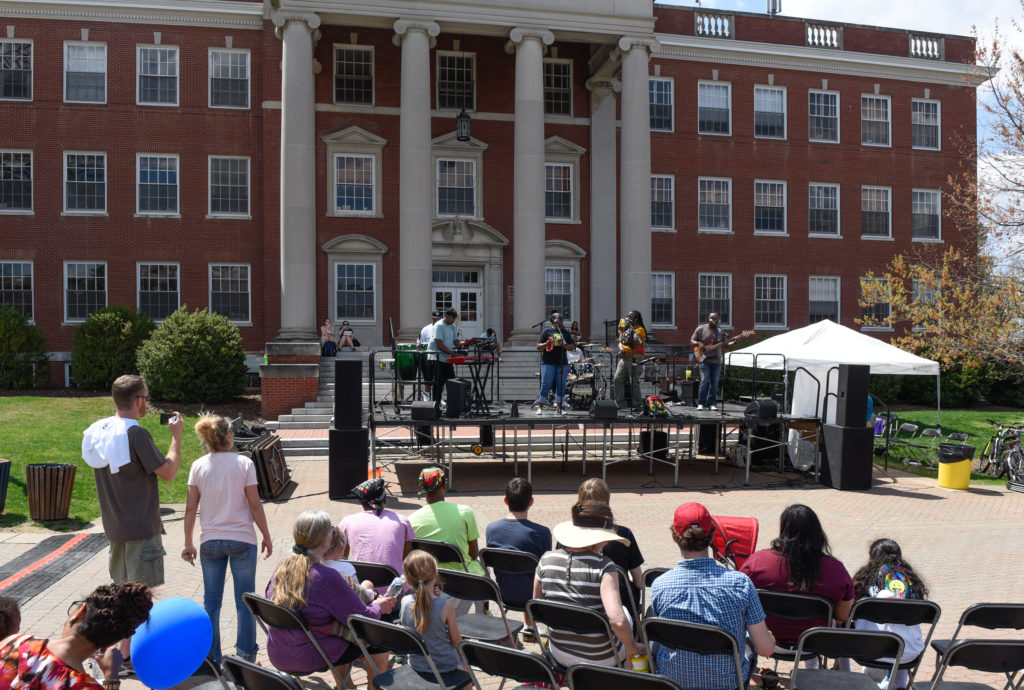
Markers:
(553, 343)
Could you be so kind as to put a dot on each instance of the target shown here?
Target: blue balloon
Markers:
(172, 644)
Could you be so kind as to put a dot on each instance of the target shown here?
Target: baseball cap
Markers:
(436, 314)
(692, 515)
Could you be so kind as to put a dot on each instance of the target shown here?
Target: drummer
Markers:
(426, 336)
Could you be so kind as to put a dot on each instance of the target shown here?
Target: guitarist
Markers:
(713, 341)
(632, 338)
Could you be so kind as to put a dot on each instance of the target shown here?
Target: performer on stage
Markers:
(441, 347)
(554, 342)
(712, 340)
(426, 336)
(632, 337)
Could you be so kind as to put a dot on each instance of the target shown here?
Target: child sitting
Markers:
(432, 614)
(334, 557)
(887, 576)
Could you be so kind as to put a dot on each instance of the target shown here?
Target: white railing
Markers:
(713, 25)
(825, 36)
(929, 47)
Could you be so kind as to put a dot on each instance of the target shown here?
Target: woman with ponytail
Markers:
(317, 591)
(431, 613)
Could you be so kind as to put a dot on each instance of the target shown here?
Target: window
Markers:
(558, 87)
(876, 316)
(456, 81)
(823, 209)
(663, 295)
(874, 120)
(16, 286)
(769, 301)
(158, 75)
(85, 72)
(157, 184)
(823, 299)
(714, 295)
(85, 289)
(354, 291)
(229, 78)
(229, 185)
(713, 108)
(353, 75)
(85, 182)
(714, 204)
(354, 179)
(926, 298)
(769, 206)
(229, 291)
(456, 187)
(15, 181)
(925, 213)
(158, 290)
(924, 121)
(661, 104)
(558, 290)
(558, 191)
(663, 207)
(874, 212)
(823, 116)
(770, 112)
(15, 70)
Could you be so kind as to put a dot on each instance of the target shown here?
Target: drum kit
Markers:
(585, 379)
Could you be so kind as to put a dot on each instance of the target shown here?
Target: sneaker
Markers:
(528, 636)
(700, 407)
(539, 409)
(561, 410)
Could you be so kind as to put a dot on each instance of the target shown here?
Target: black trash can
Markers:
(955, 452)
(49, 489)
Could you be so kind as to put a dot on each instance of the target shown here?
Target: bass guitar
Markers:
(700, 352)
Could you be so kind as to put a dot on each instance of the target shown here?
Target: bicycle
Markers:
(995, 459)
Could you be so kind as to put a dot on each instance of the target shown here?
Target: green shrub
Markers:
(194, 357)
(1004, 386)
(962, 385)
(886, 387)
(103, 346)
(23, 359)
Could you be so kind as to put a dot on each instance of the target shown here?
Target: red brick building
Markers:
(672, 160)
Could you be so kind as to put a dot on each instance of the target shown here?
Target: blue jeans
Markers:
(708, 393)
(214, 556)
(552, 375)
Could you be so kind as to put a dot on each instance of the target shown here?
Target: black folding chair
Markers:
(591, 677)
(626, 595)
(648, 578)
(698, 638)
(479, 626)
(986, 656)
(794, 607)
(509, 562)
(397, 639)
(380, 574)
(997, 616)
(903, 611)
(495, 660)
(557, 615)
(270, 615)
(835, 643)
(246, 674)
(441, 550)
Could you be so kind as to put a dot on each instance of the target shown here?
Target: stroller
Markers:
(734, 541)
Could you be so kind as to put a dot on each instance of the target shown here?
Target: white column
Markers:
(415, 177)
(298, 178)
(635, 175)
(528, 183)
(603, 206)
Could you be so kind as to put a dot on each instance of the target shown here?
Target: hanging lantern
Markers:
(462, 126)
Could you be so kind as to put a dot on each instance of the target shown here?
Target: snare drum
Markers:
(579, 370)
(580, 393)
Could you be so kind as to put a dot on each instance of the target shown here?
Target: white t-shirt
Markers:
(426, 335)
(223, 509)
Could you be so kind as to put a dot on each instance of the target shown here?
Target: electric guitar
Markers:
(700, 352)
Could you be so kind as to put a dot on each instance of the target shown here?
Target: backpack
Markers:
(654, 406)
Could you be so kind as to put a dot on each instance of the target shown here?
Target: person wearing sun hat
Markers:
(443, 521)
(376, 535)
(578, 573)
(699, 590)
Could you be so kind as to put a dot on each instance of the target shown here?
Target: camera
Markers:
(166, 417)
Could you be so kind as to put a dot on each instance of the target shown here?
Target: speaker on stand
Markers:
(349, 441)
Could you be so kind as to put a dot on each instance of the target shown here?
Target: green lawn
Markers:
(42, 429)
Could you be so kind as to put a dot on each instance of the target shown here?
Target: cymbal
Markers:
(585, 344)
(598, 364)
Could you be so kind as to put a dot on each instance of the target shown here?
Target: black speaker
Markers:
(706, 438)
(660, 451)
(762, 408)
(349, 459)
(847, 464)
(424, 435)
(348, 394)
(486, 435)
(425, 410)
(604, 409)
(852, 395)
(458, 392)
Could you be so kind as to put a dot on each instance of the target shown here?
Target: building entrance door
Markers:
(460, 289)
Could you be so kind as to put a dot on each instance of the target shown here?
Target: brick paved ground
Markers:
(966, 544)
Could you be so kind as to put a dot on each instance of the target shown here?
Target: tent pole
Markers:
(938, 400)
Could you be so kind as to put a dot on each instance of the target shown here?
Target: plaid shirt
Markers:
(699, 590)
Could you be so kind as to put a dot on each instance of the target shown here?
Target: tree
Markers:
(103, 346)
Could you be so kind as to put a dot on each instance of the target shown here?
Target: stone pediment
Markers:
(354, 136)
(561, 249)
(559, 146)
(465, 231)
(355, 244)
(450, 141)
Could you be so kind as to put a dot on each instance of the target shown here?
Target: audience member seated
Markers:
(627, 556)
(93, 627)
(801, 561)
(377, 535)
(447, 522)
(303, 583)
(346, 336)
(334, 558)
(699, 590)
(578, 573)
(490, 341)
(328, 346)
(574, 331)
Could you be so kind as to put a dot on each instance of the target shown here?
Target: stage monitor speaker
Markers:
(706, 438)
(486, 435)
(604, 409)
(425, 410)
(660, 451)
(848, 453)
(458, 392)
(348, 394)
(762, 408)
(852, 395)
(349, 455)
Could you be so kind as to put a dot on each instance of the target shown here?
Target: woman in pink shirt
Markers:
(377, 535)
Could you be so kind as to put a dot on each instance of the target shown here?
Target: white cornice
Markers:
(234, 15)
(802, 58)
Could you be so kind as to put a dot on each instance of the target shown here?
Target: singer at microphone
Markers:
(553, 343)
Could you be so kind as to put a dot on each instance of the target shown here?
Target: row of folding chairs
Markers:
(910, 446)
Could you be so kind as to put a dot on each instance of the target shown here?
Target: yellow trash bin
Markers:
(955, 475)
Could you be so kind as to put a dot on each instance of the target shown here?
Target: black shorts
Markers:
(353, 652)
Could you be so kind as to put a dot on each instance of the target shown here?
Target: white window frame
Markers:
(718, 231)
(728, 91)
(938, 213)
(138, 283)
(571, 282)
(785, 111)
(839, 131)
(475, 175)
(888, 121)
(671, 102)
(888, 190)
(138, 183)
(106, 182)
(671, 276)
(248, 78)
(31, 71)
(374, 193)
(572, 192)
(561, 61)
(916, 293)
(31, 184)
(31, 290)
(785, 209)
(209, 288)
(764, 326)
(864, 327)
(839, 216)
(352, 141)
(247, 214)
(337, 317)
(373, 74)
(437, 80)
(938, 124)
(731, 303)
(839, 302)
(70, 44)
(672, 203)
(138, 75)
(106, 288)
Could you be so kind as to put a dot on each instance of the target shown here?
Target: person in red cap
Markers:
(699, 590)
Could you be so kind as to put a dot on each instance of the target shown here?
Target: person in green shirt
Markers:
(448, 522)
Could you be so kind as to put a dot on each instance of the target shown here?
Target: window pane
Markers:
(229, 185)
(662, 202)
(558, 290)
(823, 299)
(15, 180)
(15, 70)
(85, 76)
(158, 290)
(823, 209)
(557, 87)
(158, 184)
(713, 205)
(85, 290)
(558, 191)
(713, 108)
(86, 182)
(661, 104)
(229, 79)
(769, 112)
(455, 82)
(714, 295)
(925, 123)
(874, 120)
(353, 76)
(354, 291)
(158, 75)
(769, 207)
(925, 214)
(875, 315)
(823, 114)
(456, 183)
(770, 300)
(875, 211)
(229, 291)
(16, 286)
(662, 298)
